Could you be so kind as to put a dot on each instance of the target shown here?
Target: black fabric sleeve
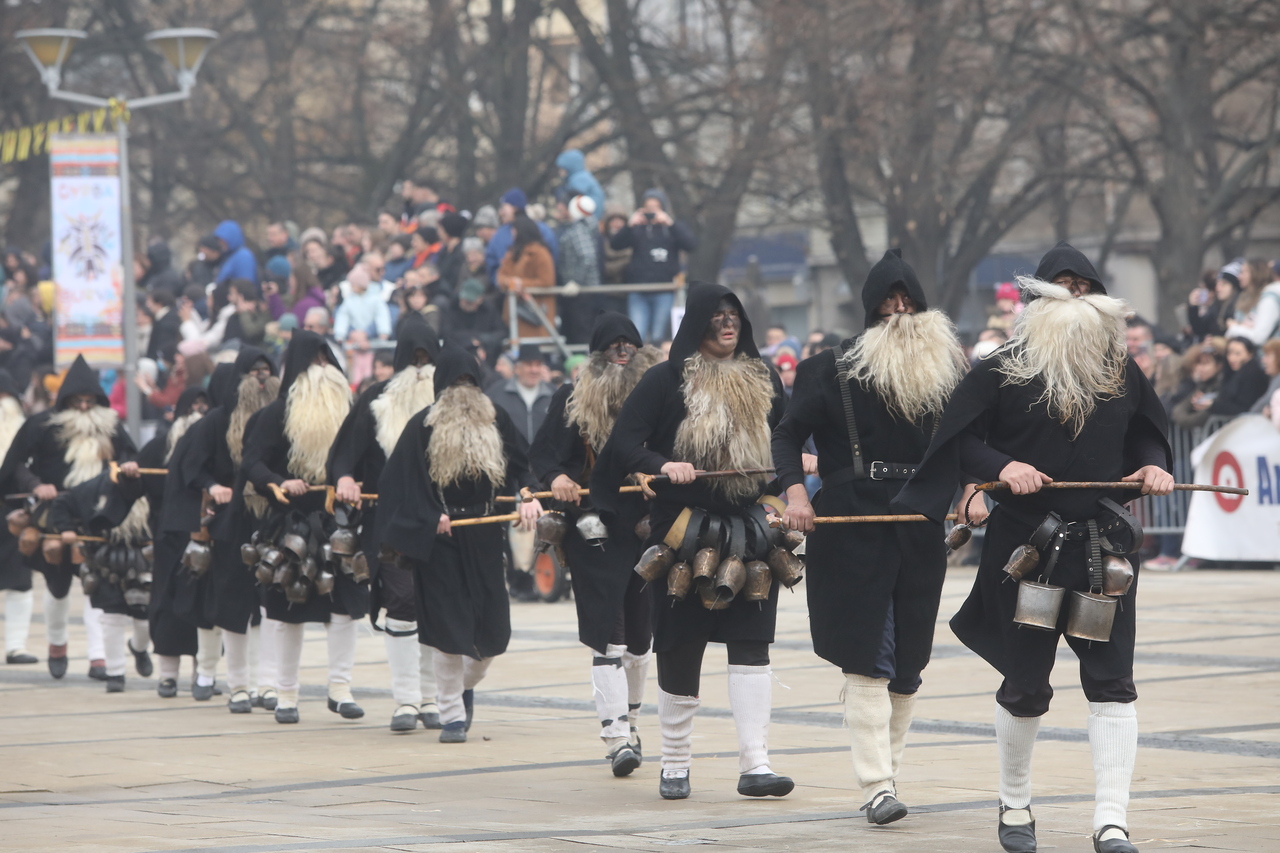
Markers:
(21, 448)
(517, 452)
(557, 448)
(803, 411)
(353, 437)
(979, 459)
(258, 443)
(408, 509)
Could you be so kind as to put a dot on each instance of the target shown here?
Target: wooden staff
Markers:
(485, 519)
(863, 519)
(526, 495)
(79, 538)
(279, 493)
(113, 471)
(332, 494)
(645, 479)
(1177, 487)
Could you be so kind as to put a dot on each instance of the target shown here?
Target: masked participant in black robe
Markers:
(873, 588)
(115, 574)
(226, 600)
(15, 572)
(712, 406)
(172, 635)
(450, 463)
(63, 447)
(614, 618)
(1061, 401)
(288, 447)
(359, 454)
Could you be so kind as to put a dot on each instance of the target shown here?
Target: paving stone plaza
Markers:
(83, 770)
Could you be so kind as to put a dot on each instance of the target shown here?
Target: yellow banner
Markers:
(22, 143)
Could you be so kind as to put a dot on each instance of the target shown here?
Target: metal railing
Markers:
(1160, 514)
(553, 335)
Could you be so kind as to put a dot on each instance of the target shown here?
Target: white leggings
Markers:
(17, 619)
(115, 649)
(341, 630)
(455, 674)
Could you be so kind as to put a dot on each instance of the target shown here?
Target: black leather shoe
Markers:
(1017, 839)
(286, 715)
(1113, 845)
(167, 688)
(674, 789)
(624, 760)
(240, 703)
(469, 703)
(141, 660)
(635, 742)
(347, 708)
(405, 719)
(430, 719)
(764, 785)
(98, 671)
(202, 692)
(889, 809)
(21, 656)
(454, 733)
(115, 683)
(268, 700)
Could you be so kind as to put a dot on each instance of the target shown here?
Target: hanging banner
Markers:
(87, 271)
(20, 143)
(1246, 452)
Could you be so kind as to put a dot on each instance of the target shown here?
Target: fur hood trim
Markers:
(407, 393)
(465, 443)
(726, 425)
(600, 391)
(86, 441)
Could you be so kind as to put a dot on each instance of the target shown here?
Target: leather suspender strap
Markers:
(851, 423)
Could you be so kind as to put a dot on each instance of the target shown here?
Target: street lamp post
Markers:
(184, 49)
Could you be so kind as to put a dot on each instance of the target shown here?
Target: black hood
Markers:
(698, 308)
(1067, 258)
(224, 386)
(249, 356)
(303, 349)
(609, 326)
(159, 257)
(452, 364)
(80, 379)
(8, 385)
(414, 335)
(187, 399)
(889, 271)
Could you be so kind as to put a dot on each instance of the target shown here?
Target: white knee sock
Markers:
(1015, 738)
(17, 619)
(904, 706)
(1113, 739)
(675, 719)
(341, 636)
(868, 712)
(237, 646)
(93, 632)
(208, 650)
(637, 669)
(449, 681)
(56, 613)
(254, 655)
(141, 635)
(474, 671)
(168, 666)
(288, 658)
(609, 689)
(751, 700)
(427, 677)
(403, 660)
(268, 654)
(114, 626)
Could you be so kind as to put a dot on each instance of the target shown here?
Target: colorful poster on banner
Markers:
(85, 176)
(1246, 452)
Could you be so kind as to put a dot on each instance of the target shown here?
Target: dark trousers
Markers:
(680, 670)
(1020, 703)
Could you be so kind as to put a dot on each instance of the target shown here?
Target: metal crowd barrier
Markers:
(1161, 514)
(553, 335)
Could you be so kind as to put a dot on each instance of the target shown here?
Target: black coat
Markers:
(94, 508)
(165, 331)
(854, 571)
(986, 425)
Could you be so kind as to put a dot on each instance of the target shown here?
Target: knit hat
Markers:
(1231, 272)
(785, 360)
(471, 290)
(486, 217)
(454, 224)
(279, 267)
(288, 322)
(1007, 290)
(516, 198)
(581, 207)
(472, 244)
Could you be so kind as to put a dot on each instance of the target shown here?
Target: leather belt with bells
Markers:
(1048, 539)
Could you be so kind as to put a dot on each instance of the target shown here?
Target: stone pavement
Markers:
(82, 770)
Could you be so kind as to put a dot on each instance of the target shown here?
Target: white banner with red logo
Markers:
(1246, 452)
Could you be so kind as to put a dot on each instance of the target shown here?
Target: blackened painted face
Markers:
(620, 351)
(720, 340)
(421, 358)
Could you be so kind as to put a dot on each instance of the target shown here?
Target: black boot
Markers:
(1113, 845)
(1017, 839)
(764, 785)
(676, 788)
(167, 688)
(115, 683)
(887, 810)
(469, 703)
(141, 660)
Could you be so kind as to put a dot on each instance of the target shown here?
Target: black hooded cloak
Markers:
(856, 572)
(1066, 258)
(266, 463)
(643, 440)
(95, 508)
(15, 573)
(459, 579)
(604, 585)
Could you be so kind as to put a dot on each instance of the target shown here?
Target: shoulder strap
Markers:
(855, 443)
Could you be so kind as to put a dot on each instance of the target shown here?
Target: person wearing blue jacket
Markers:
(238, 260)
(514, 201)
(579, 181)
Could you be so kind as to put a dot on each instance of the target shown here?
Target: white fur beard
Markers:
(912, 361)
(11, 418)
(136, 527)
(86, 439)
(726, 424)
(601, 389)
(250, 398)
(465, 443)
(318, 403)
(177, 431)
(1075, 347)
(409, 392)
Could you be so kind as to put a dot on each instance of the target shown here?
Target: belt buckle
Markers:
(882, 469)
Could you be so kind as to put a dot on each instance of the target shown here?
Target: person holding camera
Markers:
(656, 241)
